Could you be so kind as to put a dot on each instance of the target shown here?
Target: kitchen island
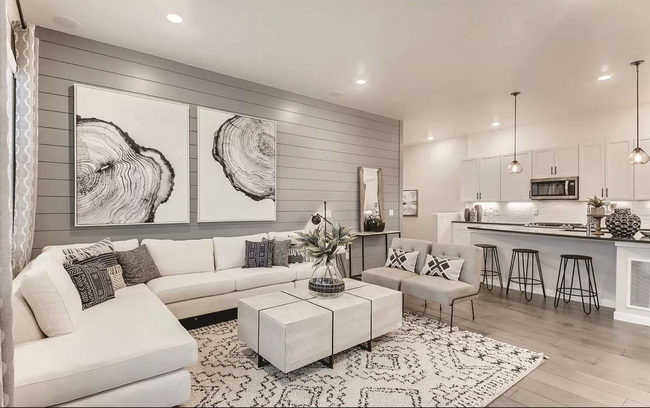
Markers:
(622, 266)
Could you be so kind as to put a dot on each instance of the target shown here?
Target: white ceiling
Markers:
(445, 67)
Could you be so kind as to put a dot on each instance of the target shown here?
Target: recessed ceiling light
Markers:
(495, 124)
(604, 77)
(361, 81)
(66, 22)
(174, 18)
(430, 138)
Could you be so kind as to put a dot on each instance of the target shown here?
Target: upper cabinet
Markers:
(619, 174)
(516, 187)
(558, 162)
(592, 170)
(642, 176)
(481, 179)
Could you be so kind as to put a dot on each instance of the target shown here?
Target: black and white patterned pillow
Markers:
(92, 282)
(295, 255)
(258, 254)
(446, 268)
(401, 259)
(103, 252)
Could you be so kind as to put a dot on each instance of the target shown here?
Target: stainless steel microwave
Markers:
(558, 188)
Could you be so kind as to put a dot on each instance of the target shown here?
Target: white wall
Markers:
(609, 125)
(434, 170)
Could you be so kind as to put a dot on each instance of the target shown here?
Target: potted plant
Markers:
(322, 245)
(596, 206)
(375, 222)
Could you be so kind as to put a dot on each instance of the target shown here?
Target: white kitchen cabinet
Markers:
(619, 174)
(490, 179)
(557, 162)
(516, 187)
(470, 184)
(592, 170)
(566, 161)
(642, 176)
(543, 163)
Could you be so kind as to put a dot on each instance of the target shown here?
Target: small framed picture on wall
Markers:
(410, 203)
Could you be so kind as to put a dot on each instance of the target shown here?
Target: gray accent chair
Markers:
(432, 288)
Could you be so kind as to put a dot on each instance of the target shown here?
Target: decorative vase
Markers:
(479, 212)
(367, 226)
(597, 211)
(466, 214)
(622, 223)
(326, 282)
(473, 215)
(378, 227)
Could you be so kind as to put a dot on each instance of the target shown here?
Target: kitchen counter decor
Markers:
(623, 223)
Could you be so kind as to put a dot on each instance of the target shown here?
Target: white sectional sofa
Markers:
(131, 350)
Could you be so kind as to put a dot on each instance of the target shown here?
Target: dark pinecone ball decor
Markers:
(623, 224)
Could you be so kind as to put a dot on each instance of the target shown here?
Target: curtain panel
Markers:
(6, 213)
(26, 145)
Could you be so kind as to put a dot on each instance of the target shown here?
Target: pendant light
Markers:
(515, 167)
(638, 155)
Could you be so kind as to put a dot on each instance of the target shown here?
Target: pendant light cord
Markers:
(638, 139)
(515, 127)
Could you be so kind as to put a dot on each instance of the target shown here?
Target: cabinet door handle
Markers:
(480, 196)
(551, 170)
(556, 170)
(607, 191)
(602, 192)
(477, 196)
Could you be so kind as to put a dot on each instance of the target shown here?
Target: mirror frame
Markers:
(362, 195)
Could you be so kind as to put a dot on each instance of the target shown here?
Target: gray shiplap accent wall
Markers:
(320, 144)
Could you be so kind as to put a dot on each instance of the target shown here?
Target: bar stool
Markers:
(562, 289)
(490, 252)
(527, 260)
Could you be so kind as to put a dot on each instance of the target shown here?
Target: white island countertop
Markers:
(520, 229)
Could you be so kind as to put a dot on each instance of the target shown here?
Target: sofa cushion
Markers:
(131, 338)
(137, 265)
(436, 289)
(387, 277)
(285, 235)
(178, 257)
(57, 250)
(25, 325)
(93, 282)
(412, 245)
(249, 278)
(229, 252)
(177, 288)
(52, 296)
(303, 270)
(103, 252)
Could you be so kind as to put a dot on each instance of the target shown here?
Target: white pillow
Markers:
(401, 259)
(57, 250)
(52, 296)
(229, 252)
(180, 257)
(446, 268)
(285, 235)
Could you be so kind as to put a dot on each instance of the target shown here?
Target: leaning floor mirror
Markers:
(371, 199)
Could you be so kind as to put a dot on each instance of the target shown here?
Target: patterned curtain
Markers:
(6, 214)
(26, 147)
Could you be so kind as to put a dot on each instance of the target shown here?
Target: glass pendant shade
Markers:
(638, 156)
(515, 167)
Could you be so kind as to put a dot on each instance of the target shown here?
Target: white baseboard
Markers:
(631, 318)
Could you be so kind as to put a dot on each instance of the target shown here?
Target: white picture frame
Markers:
(160, 130)
(221, 196)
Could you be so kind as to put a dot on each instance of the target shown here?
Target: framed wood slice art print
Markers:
(236, 167)
(131, 159)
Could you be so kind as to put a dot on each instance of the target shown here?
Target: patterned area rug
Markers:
(422, 364)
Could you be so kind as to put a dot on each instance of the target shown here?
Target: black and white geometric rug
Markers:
(422, 364)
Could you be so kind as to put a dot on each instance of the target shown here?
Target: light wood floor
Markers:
(592, 360)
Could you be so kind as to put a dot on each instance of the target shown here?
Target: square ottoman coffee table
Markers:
(292, 328)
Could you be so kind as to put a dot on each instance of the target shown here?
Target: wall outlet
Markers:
(329, 213)
(391, 213)
(347, 255)
(535, 211)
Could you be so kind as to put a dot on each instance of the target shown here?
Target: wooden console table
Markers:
(363, 236)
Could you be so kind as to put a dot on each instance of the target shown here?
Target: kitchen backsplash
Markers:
(555, 211)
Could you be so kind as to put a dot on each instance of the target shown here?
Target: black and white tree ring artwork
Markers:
(131, 159)
(236, 168)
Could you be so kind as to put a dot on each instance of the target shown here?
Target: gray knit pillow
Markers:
(137, 266)
(280, 251)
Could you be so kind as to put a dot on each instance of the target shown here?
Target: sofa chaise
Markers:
(132, 350)
(433, 288)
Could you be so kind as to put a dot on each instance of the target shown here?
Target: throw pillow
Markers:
(92, 282)
(280, 251)
(447, 268)
(103, 252)
(295, 256)
(258, 254)
(401, 259)
(137, 265)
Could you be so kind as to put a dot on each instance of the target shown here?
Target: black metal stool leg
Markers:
(541, 274)
(582, 292)
(570, 290)
(512, 265)
(495, 258)
(530, 267)
(593, 274)
(560, 274)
